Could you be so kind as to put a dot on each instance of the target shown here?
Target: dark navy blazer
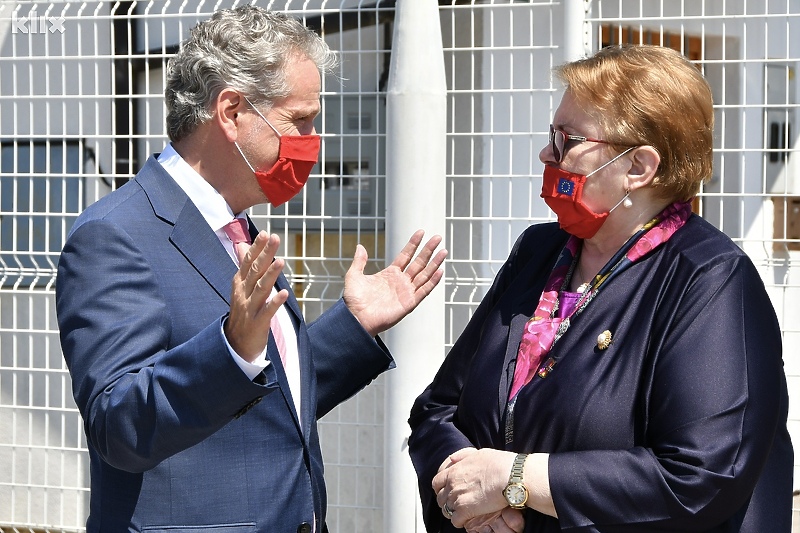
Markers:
(679, 425)
(180, 440)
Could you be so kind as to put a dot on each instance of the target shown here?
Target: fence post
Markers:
(415, 198)
(577, 33)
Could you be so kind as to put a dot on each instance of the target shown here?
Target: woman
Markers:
(624, 371)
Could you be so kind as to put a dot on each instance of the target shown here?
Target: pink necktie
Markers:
(237, 231)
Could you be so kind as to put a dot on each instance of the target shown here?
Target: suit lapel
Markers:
(306, 368)
(202, 249)
(521, 309)
(191, 234)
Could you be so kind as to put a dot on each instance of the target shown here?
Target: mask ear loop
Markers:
(243, 157)
(625, 198)
(265, 118)
(268, 124)
(611, 161)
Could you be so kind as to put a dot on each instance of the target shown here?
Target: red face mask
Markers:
(297, 155)
(563, 193)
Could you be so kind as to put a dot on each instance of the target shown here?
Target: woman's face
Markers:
(603, 189)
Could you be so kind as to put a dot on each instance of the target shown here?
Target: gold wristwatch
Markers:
(515, 492)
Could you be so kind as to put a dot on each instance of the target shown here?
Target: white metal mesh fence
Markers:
(81, 109)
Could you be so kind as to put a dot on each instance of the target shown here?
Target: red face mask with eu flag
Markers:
(563, 193)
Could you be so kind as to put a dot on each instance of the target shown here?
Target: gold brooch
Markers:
(546, 368)
(604, 340)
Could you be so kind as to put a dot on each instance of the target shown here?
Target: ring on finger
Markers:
(448, 512)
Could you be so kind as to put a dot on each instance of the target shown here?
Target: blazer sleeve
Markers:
(346, 357)
(141, 399)
(711, 410)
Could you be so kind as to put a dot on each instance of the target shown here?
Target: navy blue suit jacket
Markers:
(679, 425)
(179, 438)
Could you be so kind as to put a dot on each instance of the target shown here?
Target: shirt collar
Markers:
(209, 202)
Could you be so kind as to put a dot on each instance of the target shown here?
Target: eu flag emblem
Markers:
(566, 186)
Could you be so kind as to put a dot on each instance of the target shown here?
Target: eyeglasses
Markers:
(559, 138)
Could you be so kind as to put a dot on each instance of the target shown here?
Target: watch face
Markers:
(516, 494)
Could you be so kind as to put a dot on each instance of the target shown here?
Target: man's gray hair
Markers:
(246, 49)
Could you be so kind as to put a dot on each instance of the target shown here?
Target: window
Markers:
(40, 197)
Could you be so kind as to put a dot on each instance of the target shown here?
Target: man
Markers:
(200, 395)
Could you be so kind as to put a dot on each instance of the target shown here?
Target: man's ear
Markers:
(644, 165)
(227, 109)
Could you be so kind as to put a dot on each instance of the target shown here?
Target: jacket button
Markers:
(305, 527)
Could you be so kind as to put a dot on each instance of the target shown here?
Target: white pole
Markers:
(577, 33)
(415, 198)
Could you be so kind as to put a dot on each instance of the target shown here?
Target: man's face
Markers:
(291, 115)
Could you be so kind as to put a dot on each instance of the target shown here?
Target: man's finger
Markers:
(407, 253)
(426, 279)
(275, 303)
(359, 260)
(255, 249)
(426, 288)
(424, 257)
(263, 287)
(259, 260)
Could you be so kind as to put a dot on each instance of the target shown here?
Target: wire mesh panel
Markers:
(53, 93)
(81, 109)
(497, 58)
